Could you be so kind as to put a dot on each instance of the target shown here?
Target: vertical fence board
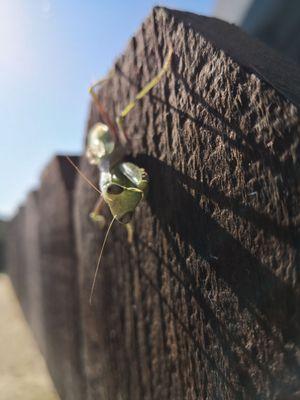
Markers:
(59, 279)
(205, 302)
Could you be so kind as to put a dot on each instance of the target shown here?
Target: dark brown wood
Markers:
(42, 264)
(59, 279)
(32, 278)
(205, 303)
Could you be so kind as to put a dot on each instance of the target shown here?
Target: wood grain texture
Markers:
(205, 303)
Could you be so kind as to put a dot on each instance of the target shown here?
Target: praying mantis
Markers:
(123, 185)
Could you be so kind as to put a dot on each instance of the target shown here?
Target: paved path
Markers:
(23, 374)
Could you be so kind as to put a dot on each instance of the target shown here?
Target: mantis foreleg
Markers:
(144, 91)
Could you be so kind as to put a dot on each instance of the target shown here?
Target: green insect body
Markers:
(123, 185)
(106, 146)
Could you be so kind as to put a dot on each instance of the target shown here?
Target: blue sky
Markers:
(50, 51)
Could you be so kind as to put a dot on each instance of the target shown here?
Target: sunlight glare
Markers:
(14, 49)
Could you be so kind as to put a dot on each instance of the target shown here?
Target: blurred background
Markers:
(50, 52)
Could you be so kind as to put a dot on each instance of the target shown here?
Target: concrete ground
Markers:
(23, 373)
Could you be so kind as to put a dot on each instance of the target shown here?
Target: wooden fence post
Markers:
(32, 279)
(204, 304)
(59, 279)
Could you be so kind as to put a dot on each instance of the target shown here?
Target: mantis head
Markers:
(122, 200)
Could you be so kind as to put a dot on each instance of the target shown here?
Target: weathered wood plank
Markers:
(32, 279)
(59, 279)
(43, 267)
(205, 303)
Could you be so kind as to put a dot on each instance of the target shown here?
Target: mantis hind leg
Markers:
(101, 108)
(144, 91)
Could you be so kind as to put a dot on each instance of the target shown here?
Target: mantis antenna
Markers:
(82, 175)
(99, 259)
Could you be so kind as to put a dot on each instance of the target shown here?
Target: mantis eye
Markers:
(114, 189)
